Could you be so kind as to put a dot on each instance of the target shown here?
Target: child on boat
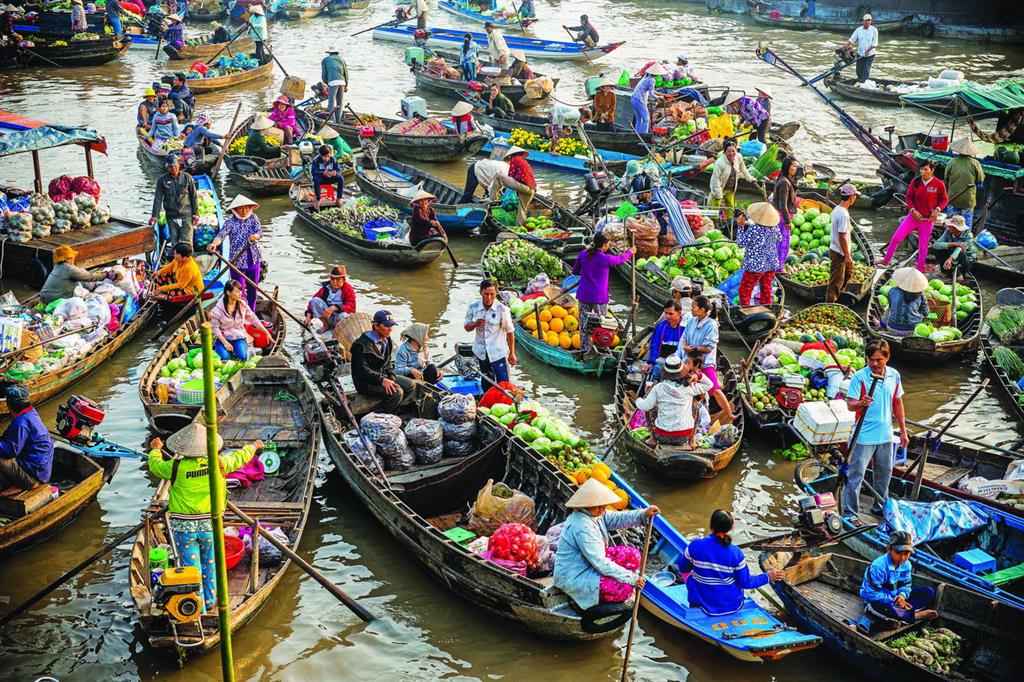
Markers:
(673, 398)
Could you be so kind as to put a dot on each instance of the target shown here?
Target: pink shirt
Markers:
(232, 327)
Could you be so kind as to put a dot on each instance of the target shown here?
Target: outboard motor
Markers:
(819, 516)
(77, 418)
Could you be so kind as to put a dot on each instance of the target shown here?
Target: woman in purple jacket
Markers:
(593, 266)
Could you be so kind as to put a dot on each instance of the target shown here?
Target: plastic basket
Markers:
(192, 392)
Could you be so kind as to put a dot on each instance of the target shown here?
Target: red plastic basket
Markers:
(234, 550)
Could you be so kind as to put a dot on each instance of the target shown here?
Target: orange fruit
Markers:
(557, 311)
(571, 323)
(581, 476)
(616, 341)
(530, 322)
(545, 327)
(577, 343)
(556, 325)
(599, 474)
(565, 341)
(551, 338)
(545, 315)
(604, 468)
(623, 500)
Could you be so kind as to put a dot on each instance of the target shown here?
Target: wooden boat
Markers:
(753, 634)
(33, 515)
(204, 48)
(533, 47)
(822, 596)
(339, 6)
(394, 183)
(252, 410)
(950, 462)
(1005, 386)
(1006, 270)
(430, 148)
(417, 507)
(604, 136)
(778, 417)
(157, 156)
(396, 253)
(298, 9)
(205, 13)
(667, 461)
(75, 53)
(614, 162)
(575, 230)
(201, 86)
(455, 87)
(885, 94)
(922, 349)
(1002, 537)
(164, 416)
(465, 10)
(243, 164)
(749, 323)
(44, 386)
(823, 24)
(855, 291)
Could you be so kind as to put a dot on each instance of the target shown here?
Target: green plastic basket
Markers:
(192, 392)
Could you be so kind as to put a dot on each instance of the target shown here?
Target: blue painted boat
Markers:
(470, 13)
(1002, 537)
(394, 183)
(751, 634)
(616, 161)
(540, 48)
(214, 286)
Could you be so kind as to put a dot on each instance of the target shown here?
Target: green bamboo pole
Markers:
(216, 476)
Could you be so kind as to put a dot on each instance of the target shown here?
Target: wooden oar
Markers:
(224, 147)
(995, 256)
(235, 37)
(354, 606)
(1016, 454)
(636, 598)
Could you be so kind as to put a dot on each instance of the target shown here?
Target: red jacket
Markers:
(519, 169)
(348, 296)
(926, 198)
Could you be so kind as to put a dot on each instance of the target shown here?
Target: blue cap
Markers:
(384, 317)
(17, 393)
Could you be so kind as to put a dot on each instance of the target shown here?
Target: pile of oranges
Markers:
(557, 326)
(603, 473)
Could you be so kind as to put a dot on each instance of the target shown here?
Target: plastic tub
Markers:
(234, 550)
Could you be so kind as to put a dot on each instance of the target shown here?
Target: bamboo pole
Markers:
(217, 500)
(636, 599)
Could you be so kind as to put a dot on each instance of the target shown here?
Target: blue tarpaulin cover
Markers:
(18, 135)
(928, 521)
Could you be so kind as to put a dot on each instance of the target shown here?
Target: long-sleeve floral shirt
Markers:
(761, 248)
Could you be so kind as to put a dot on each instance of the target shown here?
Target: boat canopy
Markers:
(971, 100)
(19, 134)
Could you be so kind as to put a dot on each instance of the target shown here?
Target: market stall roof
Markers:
(971, 100)
(19, 134)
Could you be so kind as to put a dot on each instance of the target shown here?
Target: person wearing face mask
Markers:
(926, 197)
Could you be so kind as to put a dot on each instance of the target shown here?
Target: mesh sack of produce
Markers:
(457, 408)
(385, 431)
(431, 455)
(497, 504)
(611, 590)
(464, 431)
(514, 542)
(424, 433)
(646, 248)
(459, 448)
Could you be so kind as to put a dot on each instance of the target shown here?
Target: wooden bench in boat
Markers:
(16, 503)
(939, 474)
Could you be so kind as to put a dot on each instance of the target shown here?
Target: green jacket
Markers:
(256, 145)
(962, 176)
(190, 491)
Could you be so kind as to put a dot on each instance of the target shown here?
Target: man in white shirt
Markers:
(422, 10)
(497, 48)
(492, 175)
(840, 251)
(865, 41)
(494, 344)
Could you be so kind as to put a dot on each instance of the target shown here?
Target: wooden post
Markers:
(88, 162)
(37, 169)
(636, 599)
(254, 557)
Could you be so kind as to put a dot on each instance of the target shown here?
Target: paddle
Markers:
(235, 37)
(354, 606)
(636, 598)
(519, 19)
(923, 459)
(387, 24)
(224, 147)
(28, 603)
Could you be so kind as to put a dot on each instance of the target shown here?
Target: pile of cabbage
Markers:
(937, 334)
(782, 357)
(714, 262)
(940, 292)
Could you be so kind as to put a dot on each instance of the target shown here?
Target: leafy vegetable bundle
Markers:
(1008, 325)
(516, 261)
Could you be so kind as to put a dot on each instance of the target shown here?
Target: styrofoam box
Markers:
(824, 422)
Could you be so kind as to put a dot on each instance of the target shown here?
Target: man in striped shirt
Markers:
(718, 570)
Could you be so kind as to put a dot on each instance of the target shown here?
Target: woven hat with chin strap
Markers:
(327, 133)
(462, 108)
(911, 280)
(964, 147)
(241, 201)
(420, 196)
(191, 441)
(763, 213)
(593, 493)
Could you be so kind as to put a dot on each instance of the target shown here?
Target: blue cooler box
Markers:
(975, 560)
(456, 384)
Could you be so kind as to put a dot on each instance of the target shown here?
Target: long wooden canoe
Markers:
(534, 47)
(466, 11)
(201, 86)
(822, 594)
(417, 506)
(398, 253)
(157, 156)
(456, 87)
(1003, 265)
(815, 24)
(603, 135)
(669, 461)
(75, 53)
(921, 349)
(430, 148)
(79, 479)
(253, 409)
(163, 416)
(243, 164)
(566, 245)
(204, 48)
(394, 184)
(884, 94)
(1005, 385)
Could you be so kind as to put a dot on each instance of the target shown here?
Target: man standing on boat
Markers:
(176, 196)
(865, 41)
(422, 12)
(964, 175)
(114, 11)
(334, 72)
(26, 449)
(497, 48)
(494, 343)
(840, 251)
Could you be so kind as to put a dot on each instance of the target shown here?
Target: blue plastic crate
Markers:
(456, 384)
(976, 561)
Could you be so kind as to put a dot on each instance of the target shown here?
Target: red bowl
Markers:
(234, 550)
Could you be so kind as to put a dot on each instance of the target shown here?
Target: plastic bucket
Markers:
(234, 550)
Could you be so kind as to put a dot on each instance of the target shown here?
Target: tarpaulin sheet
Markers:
(19, 134)
(928, 521)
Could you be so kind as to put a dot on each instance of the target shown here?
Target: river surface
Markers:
(86, 629)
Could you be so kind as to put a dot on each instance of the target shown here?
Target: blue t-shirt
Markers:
(664, 334)
(701, 333)
(877, 428)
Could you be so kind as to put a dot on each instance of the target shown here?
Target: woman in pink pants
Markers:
(926, 197)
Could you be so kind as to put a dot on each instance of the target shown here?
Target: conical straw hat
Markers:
(593, 493)
(191, 441)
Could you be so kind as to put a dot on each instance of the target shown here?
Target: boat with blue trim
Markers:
(540, 48)
(469, 12)
(751, 634)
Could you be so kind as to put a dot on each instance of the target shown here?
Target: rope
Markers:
(1001, 134)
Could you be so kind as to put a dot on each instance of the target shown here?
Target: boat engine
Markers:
(603, 332)
(819, 516)
(319, 361)
(179, 593)
(77, 418)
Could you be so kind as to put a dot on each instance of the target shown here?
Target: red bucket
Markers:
(234, 550)
(939, 143)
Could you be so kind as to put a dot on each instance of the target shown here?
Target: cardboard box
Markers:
(824, 423)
